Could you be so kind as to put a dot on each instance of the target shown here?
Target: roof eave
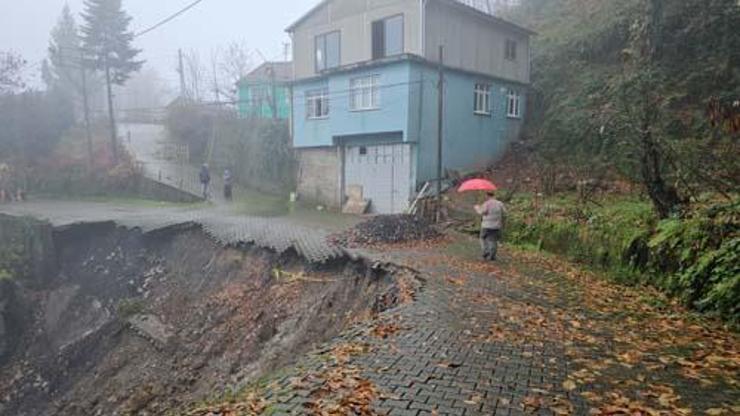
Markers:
(300, 20)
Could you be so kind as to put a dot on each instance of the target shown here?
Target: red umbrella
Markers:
(477, 185)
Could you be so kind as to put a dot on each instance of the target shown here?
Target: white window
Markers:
(364, 93)
(317, 104)
(328, 47)
(513, 104)
(387, 37)
(482, 98)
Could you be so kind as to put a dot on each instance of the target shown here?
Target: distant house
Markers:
(257, 89)
(365, 112)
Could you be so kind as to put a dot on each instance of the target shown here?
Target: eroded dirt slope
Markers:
(138, 323)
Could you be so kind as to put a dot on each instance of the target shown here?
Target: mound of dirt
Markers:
(387, 229)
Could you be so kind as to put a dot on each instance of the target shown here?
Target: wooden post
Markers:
(181, 70)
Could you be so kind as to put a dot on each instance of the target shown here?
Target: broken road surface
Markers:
(531, 335)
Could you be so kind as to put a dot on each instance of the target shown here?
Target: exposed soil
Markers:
(387, 229)
(141, 324)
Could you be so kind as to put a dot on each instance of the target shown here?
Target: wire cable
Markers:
(168, 19)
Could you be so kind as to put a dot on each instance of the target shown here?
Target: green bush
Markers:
(599, 236)
(258, 151)
(695, 258)
(698, 259)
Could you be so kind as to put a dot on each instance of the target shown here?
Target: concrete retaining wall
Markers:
(319, 176)
(151, 189)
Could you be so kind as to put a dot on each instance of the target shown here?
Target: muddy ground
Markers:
(134, 323)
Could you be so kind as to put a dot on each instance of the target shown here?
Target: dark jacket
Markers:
(205, 175)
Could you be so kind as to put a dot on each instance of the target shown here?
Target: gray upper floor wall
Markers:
(473, 41)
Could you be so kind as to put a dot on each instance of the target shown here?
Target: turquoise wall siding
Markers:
(408, 104)
(251, 106)
(392, 116)
(470, 141)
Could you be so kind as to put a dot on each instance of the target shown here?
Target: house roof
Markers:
(308, 14)
(454, 3)
(283, 72)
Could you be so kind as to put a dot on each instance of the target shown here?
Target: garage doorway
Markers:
(383, 172)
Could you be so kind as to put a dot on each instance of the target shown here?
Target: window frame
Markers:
(322, 39)
(482, 93)
(367, 86)
(511, 47)
(384, 38)
(317, 99)
(513, 103)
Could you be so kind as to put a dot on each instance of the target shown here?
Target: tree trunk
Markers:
(111, 116)
(664, 197)
(86, 108)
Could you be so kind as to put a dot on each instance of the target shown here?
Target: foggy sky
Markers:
(25, 26)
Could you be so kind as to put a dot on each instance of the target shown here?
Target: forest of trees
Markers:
(36, 120)
(647, 89)
(645, 93)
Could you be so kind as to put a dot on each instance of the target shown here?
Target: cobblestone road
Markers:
(457, 350)
(440, 361)
(279, 234)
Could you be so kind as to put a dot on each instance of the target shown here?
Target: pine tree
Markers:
(65, 73)
(64, 54)
(107, 40)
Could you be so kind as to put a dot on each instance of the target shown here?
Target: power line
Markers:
(333, 94)
(168, 19)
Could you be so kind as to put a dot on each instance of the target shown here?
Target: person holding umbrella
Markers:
(493, 213)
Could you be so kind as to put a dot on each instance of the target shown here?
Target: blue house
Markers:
(365, 93)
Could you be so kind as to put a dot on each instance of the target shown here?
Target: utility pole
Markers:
(86, 109)
(273, 92)
(440, 126)
(216, 92)
(286, 51)
(181, 70)
(111, 115)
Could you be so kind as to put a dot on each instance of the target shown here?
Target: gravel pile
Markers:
(387, 229)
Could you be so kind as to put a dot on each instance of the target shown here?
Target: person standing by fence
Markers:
(205, 179)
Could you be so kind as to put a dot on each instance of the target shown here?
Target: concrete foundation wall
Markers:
(319, 176)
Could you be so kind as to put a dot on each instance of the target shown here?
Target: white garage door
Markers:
(383, 172)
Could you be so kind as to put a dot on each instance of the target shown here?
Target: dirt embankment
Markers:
(134, 323)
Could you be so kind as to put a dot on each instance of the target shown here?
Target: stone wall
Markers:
(319, 176)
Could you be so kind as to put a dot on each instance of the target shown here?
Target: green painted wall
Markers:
(254, 100)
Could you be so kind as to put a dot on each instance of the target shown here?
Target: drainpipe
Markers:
(422, 28)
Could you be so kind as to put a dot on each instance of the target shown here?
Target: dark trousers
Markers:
(489, 242)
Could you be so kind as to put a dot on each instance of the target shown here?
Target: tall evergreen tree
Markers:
(107, 39)
(64, 55)
(65, 72)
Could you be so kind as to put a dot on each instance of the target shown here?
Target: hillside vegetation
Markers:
(644, 93)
